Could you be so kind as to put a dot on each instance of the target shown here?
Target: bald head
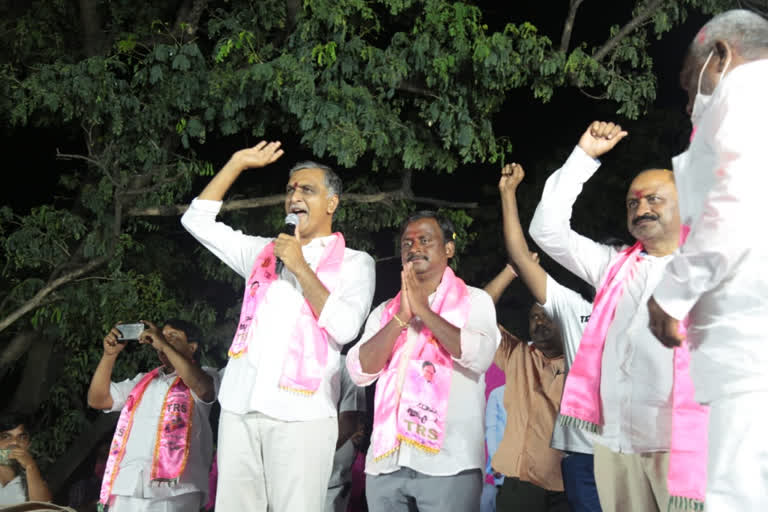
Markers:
(653, 175)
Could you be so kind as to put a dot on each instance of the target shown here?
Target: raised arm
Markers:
(551, 224)
(99, 396)
(495, 288)
(193, 376)
(235, 249)
(260, 155)
(534, 277)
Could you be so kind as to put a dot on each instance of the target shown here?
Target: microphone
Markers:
(291, 221)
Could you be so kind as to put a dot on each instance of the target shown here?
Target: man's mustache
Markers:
(647, 216)
(412, 257)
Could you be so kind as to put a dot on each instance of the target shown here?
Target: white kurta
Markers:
(133, 477)
(720, 279)
(721, 273)
(636, 376)
(464, 443)
(250, 382)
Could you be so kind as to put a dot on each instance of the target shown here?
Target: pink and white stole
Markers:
(308, 347)
(580, 405)
(409, 407)
(172, 440)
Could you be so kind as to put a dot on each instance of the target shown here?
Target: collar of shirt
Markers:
(320, 241)
(13, 481)
(556, 361)
(163, 373)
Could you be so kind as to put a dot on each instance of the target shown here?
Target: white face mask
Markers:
(701, 102)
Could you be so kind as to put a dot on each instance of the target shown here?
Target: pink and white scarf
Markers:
(580, 406)
(307, 355)
(172, 440)
(412, 392)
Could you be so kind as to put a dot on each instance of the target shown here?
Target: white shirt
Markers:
(251, 382)
(636, 376)
(464, 443)
(133, 477)
(571, 313)
(721, 273)
(13, 492)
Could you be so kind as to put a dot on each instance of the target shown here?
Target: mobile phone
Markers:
(5, 456)
(130, 332)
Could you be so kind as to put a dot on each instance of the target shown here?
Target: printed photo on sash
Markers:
(423, 403)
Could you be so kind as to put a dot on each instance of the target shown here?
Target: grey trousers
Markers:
(407, 490)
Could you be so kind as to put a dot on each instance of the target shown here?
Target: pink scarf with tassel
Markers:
(580, 406)
(307, 355)
(412, 392)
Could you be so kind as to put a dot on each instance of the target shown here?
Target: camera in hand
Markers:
(130, 332)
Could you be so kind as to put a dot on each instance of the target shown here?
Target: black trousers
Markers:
(518, 496)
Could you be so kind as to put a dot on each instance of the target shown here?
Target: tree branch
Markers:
(37, 300)
(258, 202)
(68, 156)
(90, 160)
(90, 20)
(80, 449)
(292, 8)
(17, 347)
(406, 185)
(188, 16)
(626, 29)
(413, 88)
(565, 39)
(592, 96)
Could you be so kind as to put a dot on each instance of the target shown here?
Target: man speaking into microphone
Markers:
(277, 431)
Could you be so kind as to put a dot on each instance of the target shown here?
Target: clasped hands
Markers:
(414, 301)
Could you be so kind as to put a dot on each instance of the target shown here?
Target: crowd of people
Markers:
(645, 395)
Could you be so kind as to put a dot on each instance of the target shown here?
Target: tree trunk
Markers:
(79, 450)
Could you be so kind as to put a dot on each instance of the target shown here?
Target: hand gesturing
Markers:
(600, 138)
(511, 176)
(260, 155)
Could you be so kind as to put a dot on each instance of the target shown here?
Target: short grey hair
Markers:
(745, 30)
(332, 180)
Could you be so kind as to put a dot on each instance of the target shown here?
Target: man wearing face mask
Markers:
(280, 390)
(719, 280)
(621, 382)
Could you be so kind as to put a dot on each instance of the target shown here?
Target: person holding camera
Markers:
(163, 444)
(20, 478)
